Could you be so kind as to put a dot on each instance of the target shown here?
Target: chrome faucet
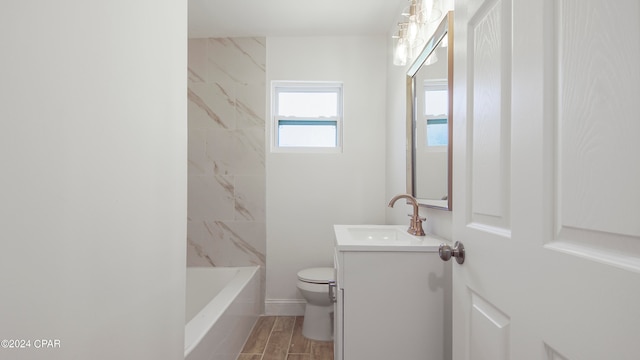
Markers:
(415, 227)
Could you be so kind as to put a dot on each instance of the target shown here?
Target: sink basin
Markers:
(382, 238)
(377, 234)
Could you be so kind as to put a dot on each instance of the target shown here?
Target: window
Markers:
(307, 117)
(436, 113)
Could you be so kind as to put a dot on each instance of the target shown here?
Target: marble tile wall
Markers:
(227, 184)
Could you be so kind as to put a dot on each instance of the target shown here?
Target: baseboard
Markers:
(284, 307)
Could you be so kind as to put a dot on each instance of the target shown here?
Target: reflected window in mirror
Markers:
(437, 133)
(436, 113)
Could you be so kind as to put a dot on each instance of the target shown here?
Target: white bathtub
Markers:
(222, 304)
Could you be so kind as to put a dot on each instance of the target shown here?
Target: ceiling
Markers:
(235, 18)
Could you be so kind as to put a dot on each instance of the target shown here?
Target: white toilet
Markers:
(313, 283)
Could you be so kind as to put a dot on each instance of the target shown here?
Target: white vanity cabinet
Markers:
(390, 301)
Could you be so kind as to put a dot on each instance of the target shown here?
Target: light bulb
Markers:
(400, 53)
(419, 40)
(412, 29)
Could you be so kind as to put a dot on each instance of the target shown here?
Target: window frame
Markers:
(306, 86)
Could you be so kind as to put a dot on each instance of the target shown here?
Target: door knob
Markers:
(446, 252)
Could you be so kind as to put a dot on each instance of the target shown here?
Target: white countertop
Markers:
(383, 238)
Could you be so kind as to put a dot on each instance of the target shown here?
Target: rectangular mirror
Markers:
(429, 120)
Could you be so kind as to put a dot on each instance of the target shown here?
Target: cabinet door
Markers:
(393, 305)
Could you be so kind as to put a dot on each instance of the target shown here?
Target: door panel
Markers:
(551, 354)
(491, 331)
(489, 59)
(592, 177)
(547, 104)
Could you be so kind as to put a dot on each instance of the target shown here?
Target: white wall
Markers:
(93, 186)
(308, 193)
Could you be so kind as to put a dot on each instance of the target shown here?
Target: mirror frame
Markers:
(445, 28)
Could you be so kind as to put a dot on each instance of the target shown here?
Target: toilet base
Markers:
(318, 322)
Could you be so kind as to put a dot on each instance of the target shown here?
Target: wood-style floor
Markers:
(280, 338)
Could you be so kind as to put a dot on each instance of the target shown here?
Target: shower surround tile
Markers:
(197, 248)
(241, 60)
(236, 243)
(250, 106)
(220, 151)
(197, 57)
(210, 197)
(226, 120)
(249, 151)
(198, 162)
(250, 198)
(211, 106)
(235, 152)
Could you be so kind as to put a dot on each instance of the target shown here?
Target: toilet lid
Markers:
(317, 275)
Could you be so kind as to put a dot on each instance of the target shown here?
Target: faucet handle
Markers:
(418, 217)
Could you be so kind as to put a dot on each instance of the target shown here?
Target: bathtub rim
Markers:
(197, 328)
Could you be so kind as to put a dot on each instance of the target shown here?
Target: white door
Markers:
(547, 179)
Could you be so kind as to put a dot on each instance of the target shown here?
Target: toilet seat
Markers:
(317, 275)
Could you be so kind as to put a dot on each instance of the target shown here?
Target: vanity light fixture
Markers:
(413, 32)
